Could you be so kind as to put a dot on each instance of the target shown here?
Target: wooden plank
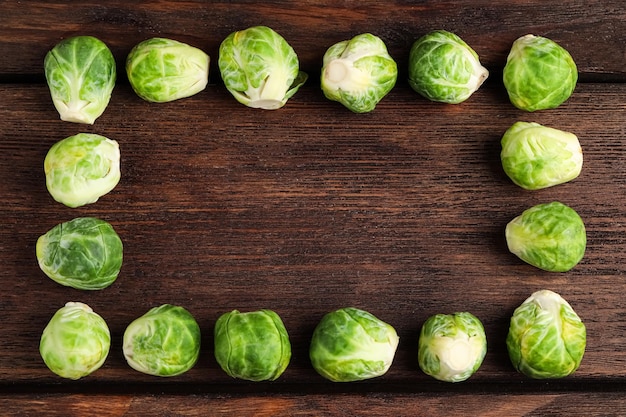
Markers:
(593, 31)
(311, 208)
(479, 405)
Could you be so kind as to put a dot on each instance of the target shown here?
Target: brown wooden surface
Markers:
(310, 208)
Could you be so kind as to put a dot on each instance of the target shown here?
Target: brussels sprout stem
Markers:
(342, 75)
(460, 355)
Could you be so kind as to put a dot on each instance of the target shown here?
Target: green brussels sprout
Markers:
(84, 253)
(539, 74)
(163, 342)
(358, 73)
(81, 74)
(352, 345)
(546, 337)
(443, 68)
(253, 346)
(259, 68)
(162, 70)
(452, 347)
(548, 236)
(536, 156)
(82, 168)
(75, 342)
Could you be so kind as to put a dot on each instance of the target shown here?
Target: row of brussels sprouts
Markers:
(546, 339)
(261, 70)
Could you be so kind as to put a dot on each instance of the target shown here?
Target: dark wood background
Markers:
(310, 208)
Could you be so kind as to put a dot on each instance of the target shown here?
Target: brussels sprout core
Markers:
(546, 338)
(358, 73)
(352, 345)
(549, 236)
(253, 346)
(452, 346)
(84, 253)
(259, 68)
(82, 168)
(81, 74)
(75, 342)
(536, 156)
(163, 342)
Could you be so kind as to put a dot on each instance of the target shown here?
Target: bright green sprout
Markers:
(536, 156)
(75, 342)
(352, 345)
(452, 346)
(84, 253)
(82, 168)
(442, 67)
(162, 70)
(548, 236)
(539, 74)
(163, 342)
(259, 68)
(358, 73)
(81, 74)
(253, 346)
(546, 337)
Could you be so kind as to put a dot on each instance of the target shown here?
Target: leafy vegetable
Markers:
(163, 342)
(81, 74)
(351, 345)
(162, 70)
(358, 73)
(253, 346)
(75, 342)
(452, 346)
(82, 168)
(442, 67)
(259, 68)
(546, 337)
(549, 236)
(84, 253)
(539, 74)
(536, 156)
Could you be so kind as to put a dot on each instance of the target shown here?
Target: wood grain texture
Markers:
(311, 208)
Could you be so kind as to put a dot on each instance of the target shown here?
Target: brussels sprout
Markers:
(452, 346)
(253, 346)
(163, 342)
(75, 342)
(549, 236)
(539, 74)
(546, 337)
(358, 73)
(162, 70)
(536, 156)
(259, 68)
(81, 74)
(84, 253)
(442, 67)
(82, 168)
(352, 345)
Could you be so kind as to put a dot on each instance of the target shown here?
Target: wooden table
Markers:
(310, 208)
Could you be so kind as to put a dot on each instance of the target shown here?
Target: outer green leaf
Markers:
(162, 70)
(75, 342)
(536, 157)
(81, 74)
(163, 342)
(546, 337)
(549, 236)
(539, 74)
(253, 346)
(84, 253)
(351, 345)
